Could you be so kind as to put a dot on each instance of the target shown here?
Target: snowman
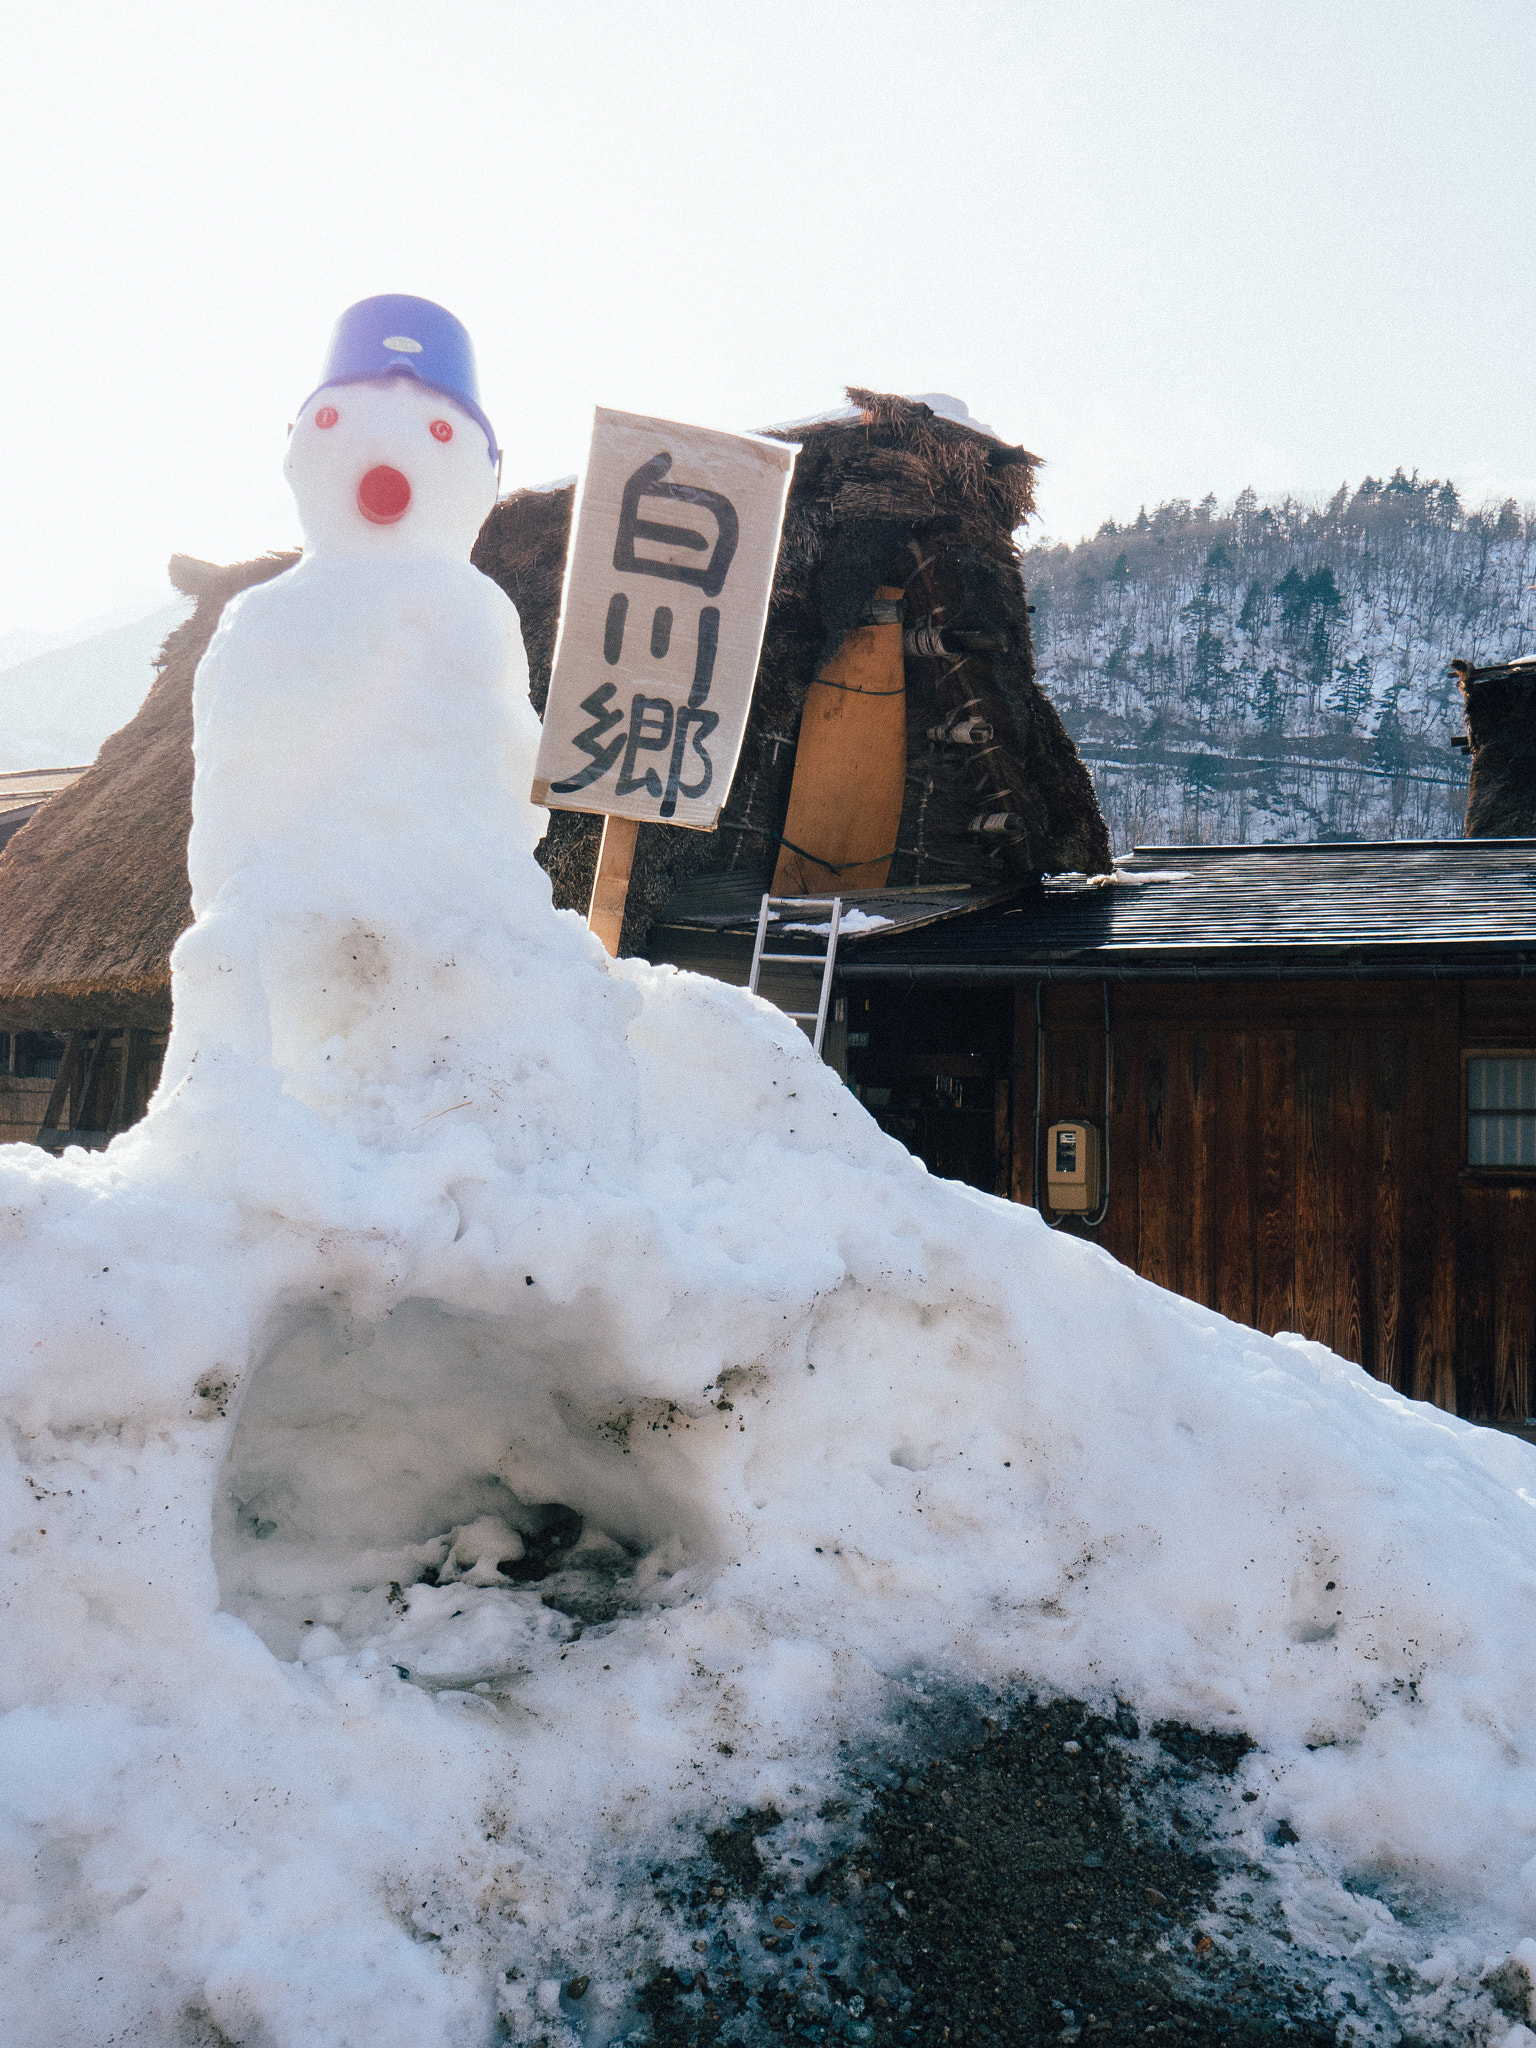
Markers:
(364, 745)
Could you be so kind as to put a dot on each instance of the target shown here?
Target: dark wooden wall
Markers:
(1291, 1154)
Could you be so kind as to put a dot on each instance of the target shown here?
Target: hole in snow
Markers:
(914, 1457)
(423, 1487)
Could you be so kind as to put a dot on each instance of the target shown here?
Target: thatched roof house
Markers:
(1500, 705)
(94, 889)
(888, 493)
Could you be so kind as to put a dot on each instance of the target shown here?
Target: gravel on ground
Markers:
(1029, 1876)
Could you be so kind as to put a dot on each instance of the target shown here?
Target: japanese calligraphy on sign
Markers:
(661, 624)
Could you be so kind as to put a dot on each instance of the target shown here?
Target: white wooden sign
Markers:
(661, 624)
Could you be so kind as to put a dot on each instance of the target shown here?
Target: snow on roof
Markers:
(940, 402)
(953, 409)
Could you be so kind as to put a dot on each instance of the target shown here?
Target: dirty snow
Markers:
(442, 1223)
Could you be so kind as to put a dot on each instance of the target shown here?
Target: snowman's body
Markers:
(365, 712)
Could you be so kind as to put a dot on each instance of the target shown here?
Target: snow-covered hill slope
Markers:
(1279, 671)
(58, 706)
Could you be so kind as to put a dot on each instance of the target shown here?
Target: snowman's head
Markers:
(389, 465)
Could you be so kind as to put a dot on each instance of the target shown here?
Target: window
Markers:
(38, 1054)
(1501, 1110)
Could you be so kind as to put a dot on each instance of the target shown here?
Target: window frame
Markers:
(1479, 1170)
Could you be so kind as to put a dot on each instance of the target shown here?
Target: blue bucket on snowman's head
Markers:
(395, 335)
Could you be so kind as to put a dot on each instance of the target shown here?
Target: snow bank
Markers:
(451, 1251)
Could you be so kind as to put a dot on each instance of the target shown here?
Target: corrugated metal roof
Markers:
(725, 903)
(24, 791)
(19, 786)
(1400, 907)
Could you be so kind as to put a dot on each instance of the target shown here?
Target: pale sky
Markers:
(1172, 246)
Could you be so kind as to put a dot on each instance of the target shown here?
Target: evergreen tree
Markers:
(1202, 609)
(1351, 692)
(1269, 701)
(1121, 571)
(1391, 748)
(1210, 668)
(1115, 664)
(1322, 592)
(1255, 611)
(1294, 603)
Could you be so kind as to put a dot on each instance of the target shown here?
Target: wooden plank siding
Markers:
(1384, 1199)
(1274, 1174)
(1292, 1156)
(1233, 1127)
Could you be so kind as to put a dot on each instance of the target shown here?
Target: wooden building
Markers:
(1318, 1083)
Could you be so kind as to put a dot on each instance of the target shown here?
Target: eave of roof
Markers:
(1394, 909)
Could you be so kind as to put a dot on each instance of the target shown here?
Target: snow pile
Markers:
(1076, 883)
(457, 1266)
(851, 920)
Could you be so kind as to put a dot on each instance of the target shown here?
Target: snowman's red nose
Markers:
(383, 495)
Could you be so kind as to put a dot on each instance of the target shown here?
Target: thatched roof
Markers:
(889, 493)
(1501, 726)
(94, 890)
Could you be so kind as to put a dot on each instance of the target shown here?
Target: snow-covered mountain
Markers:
(57, 706)
(1279, 671)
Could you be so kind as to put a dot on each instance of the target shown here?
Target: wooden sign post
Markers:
(610, 885)
(661, 624)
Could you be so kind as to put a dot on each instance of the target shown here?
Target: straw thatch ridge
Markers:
(891, 493)
(94, 887)
(1501, 726)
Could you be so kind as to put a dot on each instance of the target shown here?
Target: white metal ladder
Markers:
(834, 904)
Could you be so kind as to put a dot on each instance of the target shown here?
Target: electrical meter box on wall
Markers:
(1072, 1168)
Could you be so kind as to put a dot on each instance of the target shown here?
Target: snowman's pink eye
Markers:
(441, 431)
(327, 416)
